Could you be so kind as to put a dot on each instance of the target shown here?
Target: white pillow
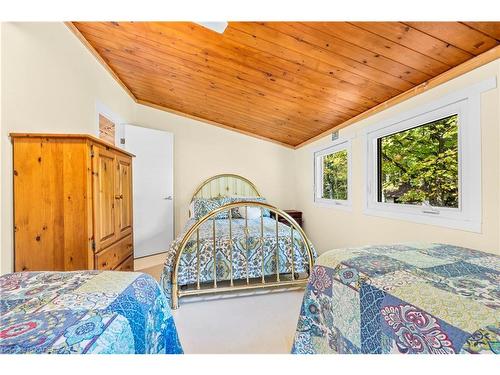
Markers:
(250, 213)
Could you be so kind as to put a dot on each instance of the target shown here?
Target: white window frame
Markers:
(467, 104)
(340, 145)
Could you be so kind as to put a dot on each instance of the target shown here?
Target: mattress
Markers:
(245, 246)
(85, 312)
(420, 298)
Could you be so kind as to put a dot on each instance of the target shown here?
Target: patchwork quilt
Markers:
(85, 312)
(431, 298)
(243, 246)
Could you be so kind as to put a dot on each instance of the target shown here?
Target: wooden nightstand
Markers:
(297, 216)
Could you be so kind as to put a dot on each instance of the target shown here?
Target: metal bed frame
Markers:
(228, 185)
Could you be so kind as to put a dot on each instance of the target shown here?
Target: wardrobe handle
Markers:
(119, 196)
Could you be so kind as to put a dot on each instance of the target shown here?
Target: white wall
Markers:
(2, 180)
(331, 228)
(201, 151)
(51, 84)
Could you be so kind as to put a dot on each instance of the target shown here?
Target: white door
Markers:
(153, 184)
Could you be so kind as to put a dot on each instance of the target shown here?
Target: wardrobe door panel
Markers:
(38, 213)
(124, 195)
(51, 231)
(105, 218)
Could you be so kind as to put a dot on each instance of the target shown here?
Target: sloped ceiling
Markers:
(284, 81)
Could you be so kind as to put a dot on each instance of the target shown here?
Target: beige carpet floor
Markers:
(240, 324)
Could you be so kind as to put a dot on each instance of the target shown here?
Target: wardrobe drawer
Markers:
(127, 265)
(115, 254)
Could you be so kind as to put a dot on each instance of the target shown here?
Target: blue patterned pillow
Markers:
(202, 206)
(235, 211)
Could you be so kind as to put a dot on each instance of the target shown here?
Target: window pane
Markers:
(335, 176)
(420, 164)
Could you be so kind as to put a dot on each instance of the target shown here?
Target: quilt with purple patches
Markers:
(85, 312)
(411, 298)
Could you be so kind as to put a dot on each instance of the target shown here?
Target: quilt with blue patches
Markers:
(85, 312)
(419, 298)
(245, 248)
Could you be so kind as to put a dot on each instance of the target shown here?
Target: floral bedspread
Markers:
(430, 298)
(243, 247)
(84, 312)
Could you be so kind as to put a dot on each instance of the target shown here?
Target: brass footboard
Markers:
(246, 283)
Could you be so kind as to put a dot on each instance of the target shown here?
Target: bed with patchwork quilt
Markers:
(234, 241)
(85, 312)
(407, 298)
(244, 243)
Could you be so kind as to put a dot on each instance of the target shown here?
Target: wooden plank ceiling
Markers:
(283, 81)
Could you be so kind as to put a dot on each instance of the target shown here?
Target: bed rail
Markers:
(278, 279)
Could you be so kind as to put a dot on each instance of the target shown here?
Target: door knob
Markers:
(169, 198)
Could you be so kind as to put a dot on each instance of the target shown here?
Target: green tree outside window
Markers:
(335, 176)
(420, 165)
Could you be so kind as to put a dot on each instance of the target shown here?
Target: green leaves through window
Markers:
(335, 176)
(418, 165)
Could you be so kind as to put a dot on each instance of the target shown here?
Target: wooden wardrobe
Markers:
(72, 204)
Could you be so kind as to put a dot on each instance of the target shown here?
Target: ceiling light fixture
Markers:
(218, 27)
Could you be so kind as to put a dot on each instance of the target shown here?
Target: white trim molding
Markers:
(336, 146)
(467, 104)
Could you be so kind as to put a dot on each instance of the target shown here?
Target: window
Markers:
(106, 129)
(420, 165)
(425, 165)
(332, 175)
(108, 125)
(335, 176)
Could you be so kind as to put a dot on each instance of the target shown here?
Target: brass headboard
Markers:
(224, 185)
